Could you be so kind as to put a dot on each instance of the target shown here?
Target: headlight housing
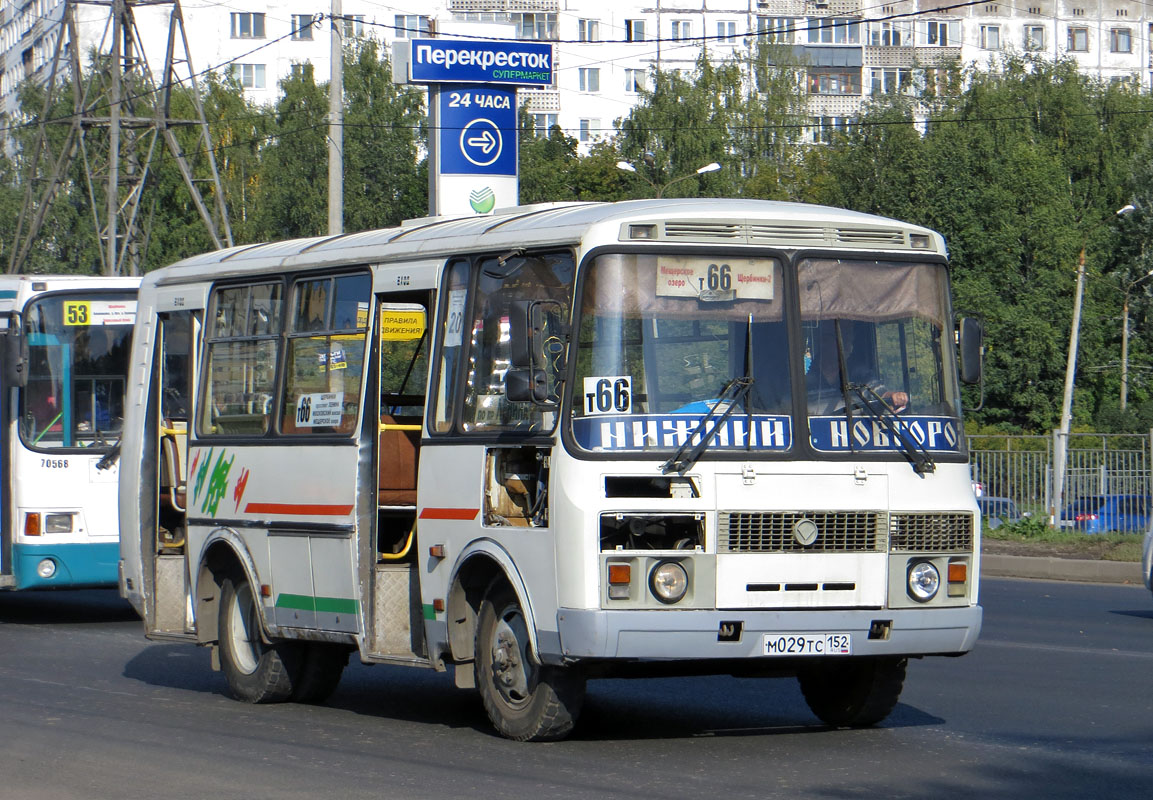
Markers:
(924, 580)
(669, 582)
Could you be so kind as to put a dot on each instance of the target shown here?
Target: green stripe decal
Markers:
(429, 613)
(329, 605)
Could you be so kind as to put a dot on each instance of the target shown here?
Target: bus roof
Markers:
(704, 221)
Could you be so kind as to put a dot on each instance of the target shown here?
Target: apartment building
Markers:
(606, 49)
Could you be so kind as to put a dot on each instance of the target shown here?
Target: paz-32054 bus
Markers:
(62, 368)
(559, 443)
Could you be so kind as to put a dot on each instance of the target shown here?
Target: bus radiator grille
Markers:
(777, 532)
(931, 532)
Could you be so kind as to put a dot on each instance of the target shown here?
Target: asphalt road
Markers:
(1056, 701)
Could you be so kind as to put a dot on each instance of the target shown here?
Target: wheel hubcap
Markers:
(243, 631)
(512, 671)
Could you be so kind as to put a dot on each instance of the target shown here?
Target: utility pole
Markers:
(1061, 444)
(336, 126)
(123, 96)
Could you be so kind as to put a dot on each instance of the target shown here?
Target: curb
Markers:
(1060, 569)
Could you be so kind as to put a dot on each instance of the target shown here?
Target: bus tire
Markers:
(256, 672)
(526, 701)
(854, 693)
(321, 666)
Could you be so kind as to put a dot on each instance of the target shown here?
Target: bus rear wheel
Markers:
(256, 672)
(526, 701)
(854, 693)
(320, 670)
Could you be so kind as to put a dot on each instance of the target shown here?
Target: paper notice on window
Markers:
(715, 278)
(319, 410)
(99, 312)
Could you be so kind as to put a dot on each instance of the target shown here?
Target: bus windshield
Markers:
(77, 355)
(666, 342)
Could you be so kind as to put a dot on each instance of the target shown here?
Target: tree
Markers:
(382, 136)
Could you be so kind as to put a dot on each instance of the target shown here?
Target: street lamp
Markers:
(660, 189)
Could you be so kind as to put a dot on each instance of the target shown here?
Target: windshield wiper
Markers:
(880, 412)
(735, 391)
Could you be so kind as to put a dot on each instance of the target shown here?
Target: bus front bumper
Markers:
(727, 635)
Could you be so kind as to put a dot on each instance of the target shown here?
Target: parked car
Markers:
(998, 511)
(1125, 513)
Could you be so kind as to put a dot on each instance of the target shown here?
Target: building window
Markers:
(727, 31)
(589, 129)
(828, 30)
(411, 26)
(535, 26)
(1120, 40)
(301, 27)
(588, 30)
(302, 71)
(942, 33)
(1035, 10)
(826, 128)
(834, 81)
(781, 30)
(634, 80)
(1034, 37)
(1122, 12)
(990, 37)
(590, 79)
(251, 76)
(888, 81)
(247, 26)
(890, 34)
(1078, 12)
(542, 124)
(1079, 40)
(353, 25)
(635, 30)
(682, 29)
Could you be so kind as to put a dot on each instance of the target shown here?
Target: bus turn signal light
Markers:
(32, 525)
(620, 577)
(958, 578)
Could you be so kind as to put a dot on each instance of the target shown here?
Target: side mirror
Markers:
(525, 384)
(15, 365)
(972, 347)
(536, 351)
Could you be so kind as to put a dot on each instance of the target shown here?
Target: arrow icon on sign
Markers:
(486, 142)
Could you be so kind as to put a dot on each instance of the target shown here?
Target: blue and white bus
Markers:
(63, 365)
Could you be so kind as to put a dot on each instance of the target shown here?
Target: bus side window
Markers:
(326, 348)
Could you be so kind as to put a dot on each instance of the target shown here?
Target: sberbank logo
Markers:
(482, 200)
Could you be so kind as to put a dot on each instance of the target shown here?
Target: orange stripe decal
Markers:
(449, 513)
(298, 509)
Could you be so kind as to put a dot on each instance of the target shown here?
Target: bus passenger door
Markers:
(396, 627)
(9, 355)
(170, 595)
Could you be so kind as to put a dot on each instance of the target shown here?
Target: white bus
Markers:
(62, 369)
(559, 443)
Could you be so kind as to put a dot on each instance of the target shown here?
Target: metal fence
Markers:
(1021, 468)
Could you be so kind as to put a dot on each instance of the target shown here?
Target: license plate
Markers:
(807, 644)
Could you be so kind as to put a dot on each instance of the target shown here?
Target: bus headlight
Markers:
(924, 581)
(668, 582)
(46, 568)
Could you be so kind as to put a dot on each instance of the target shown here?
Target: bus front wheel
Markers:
(854, 693)
(526, 701)
(256, 672)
